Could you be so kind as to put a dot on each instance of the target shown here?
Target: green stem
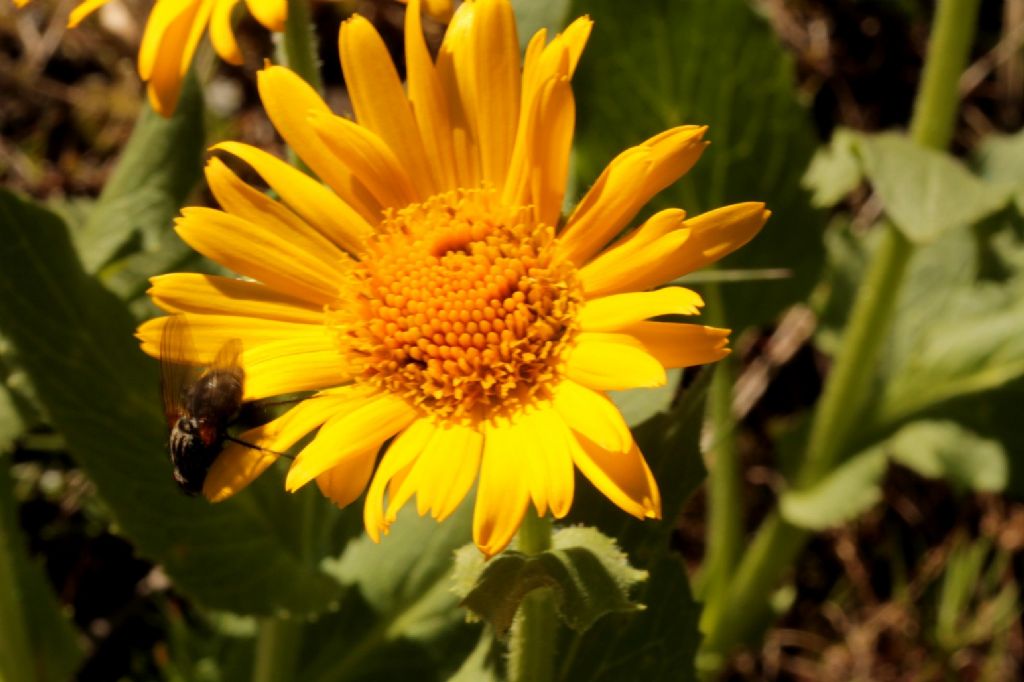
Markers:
(279, 639)
(847, 392)
(277, 650)
(15, 651)
(532, 646)
(725, 504)
(297, 48)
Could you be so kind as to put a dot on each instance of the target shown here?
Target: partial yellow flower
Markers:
(427, 287)
(172, 33)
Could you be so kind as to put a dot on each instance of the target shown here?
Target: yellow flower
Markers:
(430, 291)
(172, 32)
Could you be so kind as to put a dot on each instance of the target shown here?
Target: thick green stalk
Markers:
(277, 649)
(532, 645)
(279, 639)
(297, 48)
(725, 504)
(846, 394)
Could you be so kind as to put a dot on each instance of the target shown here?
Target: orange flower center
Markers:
(461, 307)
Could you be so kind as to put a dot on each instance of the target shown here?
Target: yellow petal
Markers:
(271, 13)
(168, 43)
(182, 292)
(253, 250)
(540, 161)
(345, 481)
(553, 440)
(80, 12)
(379, 101)
(625, 186)
(222, 35)
(403, 451)
(603, 274)
(429, 105)
(494, 96)
(609, 313)
(622, 477)
(301, 363)
(444, 472)
(290, 102)
(681, 345)
(366, 425)
(320, 207)
(546, 460)
(211, 332)
(366, 158)
(452, 73)
(611, 362)
(245, 201)
(502, 495)
(592, 415)
(238, 465)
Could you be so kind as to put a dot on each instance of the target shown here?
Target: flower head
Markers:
(172, 33)
(430, 292)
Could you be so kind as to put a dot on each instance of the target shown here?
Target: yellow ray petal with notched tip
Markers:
(238, 465)
(379, 101)
(547, 459)
(253, 250)
(301, 363)
(503, 493)
(429, 104)
(317, 205)
(593, 415)
(681, 345)
(290, 103)
(613, 362)
(610, 313)
(698, 242)
(399, 457)
(345, 481)
(189, 292)
(443, 473)
(211, 332)
(622, 477)
(366, 158)
(365, 425)
(625, 186)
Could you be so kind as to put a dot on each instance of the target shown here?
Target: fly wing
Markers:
(229, 357)
(177, 371)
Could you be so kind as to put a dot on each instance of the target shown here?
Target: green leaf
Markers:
(37, 641)
(657, 644)
(1001, 158)
(975, 343)
(640, 404)
(925, 192)
(398, 618)
(847, 491)
(944, 449)
(160, 165)
(835, 170)
(654, 65)
(589, 574)
(533, 15)
(75, 340)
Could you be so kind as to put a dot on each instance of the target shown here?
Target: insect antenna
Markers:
(257, 447)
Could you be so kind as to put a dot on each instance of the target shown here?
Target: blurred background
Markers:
(923, 585)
